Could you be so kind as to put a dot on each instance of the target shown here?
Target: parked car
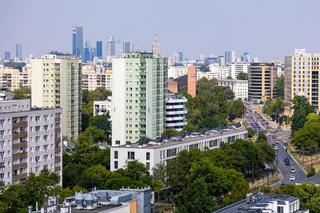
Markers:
(292, 170)
(292, 178)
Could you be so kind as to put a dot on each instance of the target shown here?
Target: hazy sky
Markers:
(265, 28)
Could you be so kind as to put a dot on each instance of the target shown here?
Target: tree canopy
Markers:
(242, 76)
(301, 108)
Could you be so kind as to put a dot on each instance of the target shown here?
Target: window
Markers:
(131, 155)
(171, 152)
(148, 165)
(115, 154)
(116, 164)
(117, 142)
(148, 156)
(280, 209)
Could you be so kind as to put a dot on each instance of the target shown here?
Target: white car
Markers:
(292, 170)
(292, 178)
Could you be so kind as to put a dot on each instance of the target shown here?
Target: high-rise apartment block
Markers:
(56, 82)
(9, 79)
(176, 112)
(236, 68)
(138, 106)
(262, 79)
(30, 140)
(302, 77)
(77, 42)
(96, 75)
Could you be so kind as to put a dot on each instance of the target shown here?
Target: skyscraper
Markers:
(138, 108)
(86, 52)
(156, 45)
(230, 56)
(181, 58)
(246, 57)
(56, 82)
(111, 47)
(99, 49)
(77, 42)
(302, 78)
(126, 46)
(18, 52)
(7, 55)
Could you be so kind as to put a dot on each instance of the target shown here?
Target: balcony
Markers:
(57, 168)
(17, 135)
(57, 119)
(20, 155)
(57, 150)
(57, 158)
(20, 166)
(19, 176)
(23, 144)
(20, 124)
(58, 139)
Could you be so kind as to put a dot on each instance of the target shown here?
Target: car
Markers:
(285, 143)
(292, 178)
(276, 147)
(292, 170)
(287, 161)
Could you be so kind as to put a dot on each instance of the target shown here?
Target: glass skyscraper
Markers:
(99, 49)
(18, 51)
(77, 42)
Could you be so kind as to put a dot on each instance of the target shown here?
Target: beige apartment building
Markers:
(9, 79)
(94, 76)
(30, 140)
(302, 77)
(56, 83)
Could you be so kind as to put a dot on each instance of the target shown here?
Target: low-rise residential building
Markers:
(259, 202)
(30, 140)
(177, 71)
(102, 107)
(237, 67)
(4, 95)
(239, 87)
(215, 71)
(156, 152)
(9, 79)
(176, 112)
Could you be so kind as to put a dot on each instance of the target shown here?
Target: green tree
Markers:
(242, 76)
(235, 109)
(194, 198)
(95, 176)
(301, 108)
(250, 132)
(280, 87)
(22, 93)
(170, 132)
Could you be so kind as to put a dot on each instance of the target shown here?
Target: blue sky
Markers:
(266, 28)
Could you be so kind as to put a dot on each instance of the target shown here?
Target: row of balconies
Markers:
(23, 144)
(17, 135)
(20, 124)
(19, 176)
(23, 165)
(23, 154)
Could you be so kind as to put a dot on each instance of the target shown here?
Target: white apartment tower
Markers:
(138, 101)
(56, 83)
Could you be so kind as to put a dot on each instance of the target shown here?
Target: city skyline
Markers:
(176, 28)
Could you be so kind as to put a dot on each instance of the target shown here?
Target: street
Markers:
(275, 134)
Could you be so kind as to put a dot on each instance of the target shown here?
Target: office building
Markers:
(181, 57)
(111, 47)
(262, 79)
(246, 57)
(99, 49)
(56, 82)
(102, 107)
(238, 87)
(7, 55)
(77, 42)
(176, 112)
(30, 140)
(177, 71)
(236, 68)
(302, 77)
(138, 106)
(126, 47)
(230, 57)
(156, 45)
(259, 202)
(9, 79)
(18, 52)
(158, 151)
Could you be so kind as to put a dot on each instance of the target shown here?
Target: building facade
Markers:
(138, 108)
(177, 71)
(102, 107)
(156, 152)
(239, 87)
(262, 79)
(30, 140)
(56, 82)
(302, 77)
(92, 77)
(77, 42)
(236, 68)
(9, 79)
(176, 112)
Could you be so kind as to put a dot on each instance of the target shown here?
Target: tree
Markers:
(235, 109)
(242, 76)
(250, 132)
(170, 132)
(22, 93)
(301, 108)
(280, 87)
(194, 198)
(95, 176)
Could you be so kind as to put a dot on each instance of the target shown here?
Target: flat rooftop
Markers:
(99, 209)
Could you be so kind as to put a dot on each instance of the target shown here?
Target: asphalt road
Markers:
(259, 124)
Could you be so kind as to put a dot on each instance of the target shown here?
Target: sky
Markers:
(268, 29)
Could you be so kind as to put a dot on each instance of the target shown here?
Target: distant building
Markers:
(230, 57)
(246, 57)
(176, 112)
(138, 106)
(186, 83)
(30, 140)
(111, 47)
(239, 87)
(5, 96)
(102, 107)
(259, 202)
(18, 52)
(99, 49)
(158, 151)
(7, 55)
(215, 71)
(126, 47)
(56, 82)
(262, 79)
(9, 79)
(77, 42)
(302, 77)
(177, 71)
(156, 45)
(236, 68)
(108, 72)
(92, 77)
